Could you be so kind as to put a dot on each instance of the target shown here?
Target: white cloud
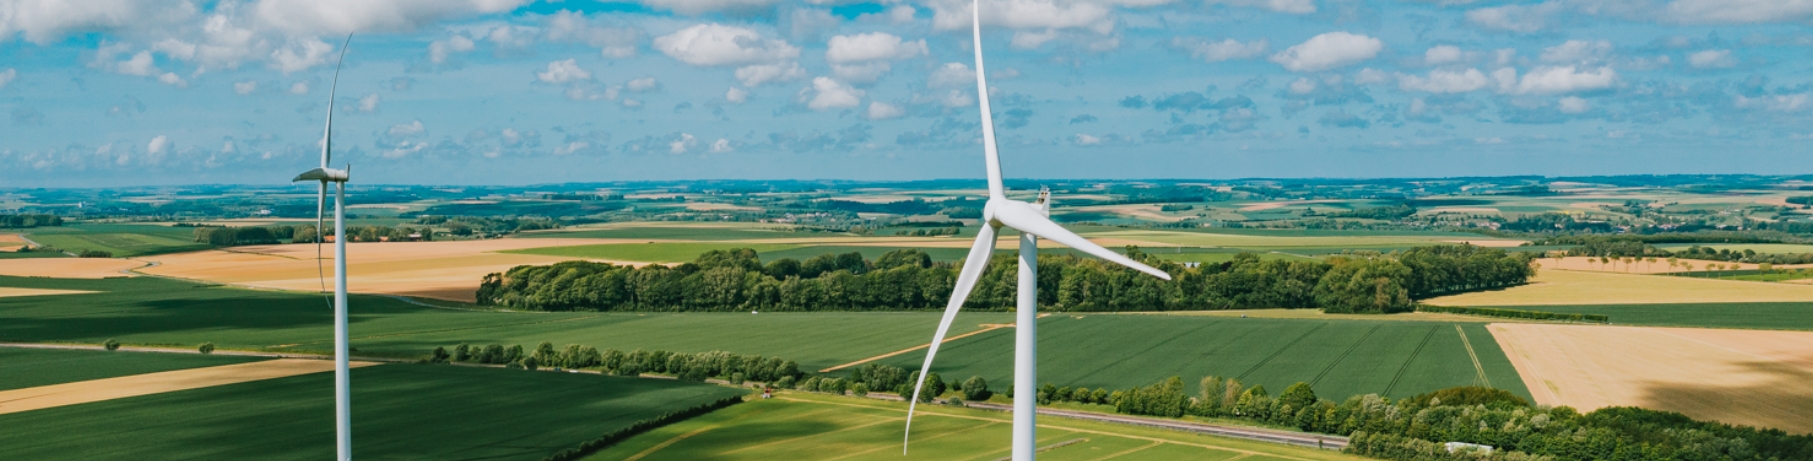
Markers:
(405, 148)
(45, 21)
(571, 147)
(1281, 6)
(1044, 15)
(509, 36)
(1302, 86)
(721, 45)
(860, 73)
(642, 84)
(755, 75)
(245, 87)
(1445, 81)
(1515, 18)
(612, 42)
(898, 14)
(369, 103)
(1776, 103)
(1565, 79)
(1224, 50)
(721, 146)
(1443, 54)
(1506, 78)
(141, 64)
(874, 46)
(952, 75)
(831, 94)
(1709, 59)
(8, 76)
(1086, 140)
(736, 95)
(158, 145)
(698, 7)
(1573, 105)
(170, 78)
(407, 129)
(560, 72)
(1371, 76)
(882, 111)
(1504, 56)
(439, 50)
(1578, 52)
(340, 17)
(682, 144)
(299, 87)
(1328, 51)
(957, 98)
(1739, 11)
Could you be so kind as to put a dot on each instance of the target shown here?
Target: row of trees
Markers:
(1406, 429)
(306, 234)
(20, 221)
(736, 280)
(1515, 313)
(230, 236)
(696, 367)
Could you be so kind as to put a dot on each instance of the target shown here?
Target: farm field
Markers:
(1251, 240)
(1762, 378)
(152, 311)
(1586, 264)
(1757, 247)
(1760, 316)
(1339, 358)
(1565, 287)
(22, 368)
(88, 268)
(817, 427)
(123, 240)
(445, 270)
(402, 411)
(667, 231)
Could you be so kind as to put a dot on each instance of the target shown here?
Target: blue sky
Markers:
(116, 92)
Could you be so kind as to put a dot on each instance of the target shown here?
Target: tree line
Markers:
(696, 367)
(737, 280)
(21, 221)
(1515, 313)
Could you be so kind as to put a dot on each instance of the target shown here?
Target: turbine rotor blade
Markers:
(327, 135)
(979, 253)
(1024, 218)
(320, 219)
(995, 189)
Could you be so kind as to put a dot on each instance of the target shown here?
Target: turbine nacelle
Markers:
(325, 175)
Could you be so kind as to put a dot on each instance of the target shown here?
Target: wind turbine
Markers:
(1033, 221)
(343, 410)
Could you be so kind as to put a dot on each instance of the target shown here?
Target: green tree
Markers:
(206, 348)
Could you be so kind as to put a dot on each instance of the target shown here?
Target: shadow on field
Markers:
(1782, 400)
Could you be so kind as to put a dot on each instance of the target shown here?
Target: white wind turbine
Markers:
(1033, 222)
(343, 418)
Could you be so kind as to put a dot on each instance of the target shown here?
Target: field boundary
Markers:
(104, 389)
(1480, 370)
(1301, 439)
(986, 327)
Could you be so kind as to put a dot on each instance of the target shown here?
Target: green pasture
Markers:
(31, 255)
(123, 240)
(819, 427)
(153, 311)
(400, 412)
(654, 252)
(1760, 316)
(678, 233)
(21, 367)
(1339, 358)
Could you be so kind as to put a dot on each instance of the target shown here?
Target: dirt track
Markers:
(57, 395)
(1761, 378)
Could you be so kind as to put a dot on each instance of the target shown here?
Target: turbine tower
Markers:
(343, 418)
(1034, 222)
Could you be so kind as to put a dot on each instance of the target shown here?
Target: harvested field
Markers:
(1760, 378)
(447, 270)
(1563, 287)
(56, 395)
(1489, 243)
(1588, 263)
(67, 268)
(10, 242)
(1207, 239)
(11, 292)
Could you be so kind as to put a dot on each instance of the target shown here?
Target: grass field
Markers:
(22, 368)
(1760, 316)
(679, 232)
(1340, 358)
(123, 240)
(662, 252)
(31, 255)
(1565, 287)
(401, 411)
(165, 312)
(816, 427)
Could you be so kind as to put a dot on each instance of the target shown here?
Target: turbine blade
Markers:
(995, 189)
(327, 134)
(320, 212)
(1024, 218)
(979, 253)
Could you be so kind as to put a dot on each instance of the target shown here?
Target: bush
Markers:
(860, 390)
(438, 356)
(111, 344)
(1469, 396)
(786, 382)
(975, 388)
(462, 353)
(530, 363)
(206, 348)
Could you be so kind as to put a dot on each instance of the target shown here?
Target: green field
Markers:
(31, 255)
(813, 427)
(662, 252)
(154, 311)
(123, 240)
(21, 368)
(1340, 358)
(400, 412)
(678, 233)
(1760, 316)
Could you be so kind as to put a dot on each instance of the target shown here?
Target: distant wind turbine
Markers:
(1033, 221)
(343, 417)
